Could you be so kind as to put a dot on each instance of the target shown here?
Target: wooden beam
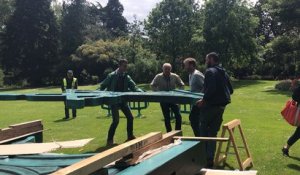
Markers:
(94, 163)
(232, 124)
(219, 139)
(166, 139)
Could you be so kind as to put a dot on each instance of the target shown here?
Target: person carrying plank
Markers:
(69, 83)
(167, 81)
(217, 91)
(120, 81)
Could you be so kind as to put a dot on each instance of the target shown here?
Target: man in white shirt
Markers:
(168, 81)
(196, 82)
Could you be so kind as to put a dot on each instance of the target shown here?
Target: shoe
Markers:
(285, 151)
(130, 138)
(109, 143)
(66, 118)
(74, 117)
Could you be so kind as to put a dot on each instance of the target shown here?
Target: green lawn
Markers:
(256, 103)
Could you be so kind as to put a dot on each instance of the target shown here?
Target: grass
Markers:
(256, 103)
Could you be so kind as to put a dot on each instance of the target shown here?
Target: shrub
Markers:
(284, 85)
(1, 78)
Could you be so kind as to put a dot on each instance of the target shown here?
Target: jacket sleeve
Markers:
(63, 86)
(76, 84)
(132, 86)
(210, 85)
(296, 94)
(179, 82)
(153, 84)
(229, 84)
(105, 83)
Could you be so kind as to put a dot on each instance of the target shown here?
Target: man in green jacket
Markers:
(120, 81)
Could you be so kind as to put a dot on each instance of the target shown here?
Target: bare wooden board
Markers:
(166, 139)
(219, 139)
(98, 161)
(37, 148)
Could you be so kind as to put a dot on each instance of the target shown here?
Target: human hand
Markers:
(200, 103)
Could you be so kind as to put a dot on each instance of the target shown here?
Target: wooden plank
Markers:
(166, 139)
(226, 172)
(13, 133)
(232, 124)
(98, 161)
(247, 163)
(219, 139)
(26, 124)
(19, 137)
(37, 148)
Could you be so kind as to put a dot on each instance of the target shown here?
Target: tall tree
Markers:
(229, 30)
(6, 9)
(30, 42)
(114, 19)
(170, 28)
(73, 25)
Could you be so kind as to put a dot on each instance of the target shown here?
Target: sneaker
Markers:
(285, 151)
(66, 118)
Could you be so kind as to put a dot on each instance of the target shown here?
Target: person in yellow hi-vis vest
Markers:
(70, 82)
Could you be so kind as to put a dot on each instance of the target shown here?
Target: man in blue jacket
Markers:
(217, 91)
(120, 81)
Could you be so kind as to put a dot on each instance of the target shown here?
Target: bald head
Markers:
(167, 68)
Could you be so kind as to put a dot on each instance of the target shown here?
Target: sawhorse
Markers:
(230, 127)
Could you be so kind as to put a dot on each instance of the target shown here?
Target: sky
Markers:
(141, 8)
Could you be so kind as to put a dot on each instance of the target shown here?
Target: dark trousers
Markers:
(195, 120)
(211, 118)
(67, 111)
(166, 109)
(116, 117)
(295, 137)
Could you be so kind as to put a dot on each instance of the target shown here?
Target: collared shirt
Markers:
(163, 83)
(196, 81)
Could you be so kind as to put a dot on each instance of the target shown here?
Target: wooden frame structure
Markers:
(221, 158)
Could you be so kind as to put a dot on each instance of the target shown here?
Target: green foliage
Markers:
(30, 40)
(6, 10)
(100, 58)
(114, 20)
(170, 28)
(229, 30)
(284, 85)
(73, 25)
(1, 78)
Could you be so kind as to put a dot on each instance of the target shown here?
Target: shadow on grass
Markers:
(245, 83)
(294, 167)
(277, 92)
(62, 120)
(295, 158)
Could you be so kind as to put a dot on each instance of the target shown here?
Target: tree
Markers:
(114, 20)
(170, 29)
(6, 9)
(30, 42)
(73, 26)
(229, 30)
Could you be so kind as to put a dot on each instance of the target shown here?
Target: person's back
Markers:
(217, 87)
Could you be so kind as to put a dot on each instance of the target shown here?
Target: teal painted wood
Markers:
(55, 160)
(9, 170)
(30, 139)
(151, 165)
(81, 99)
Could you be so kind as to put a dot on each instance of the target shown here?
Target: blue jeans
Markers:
(116, 117)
